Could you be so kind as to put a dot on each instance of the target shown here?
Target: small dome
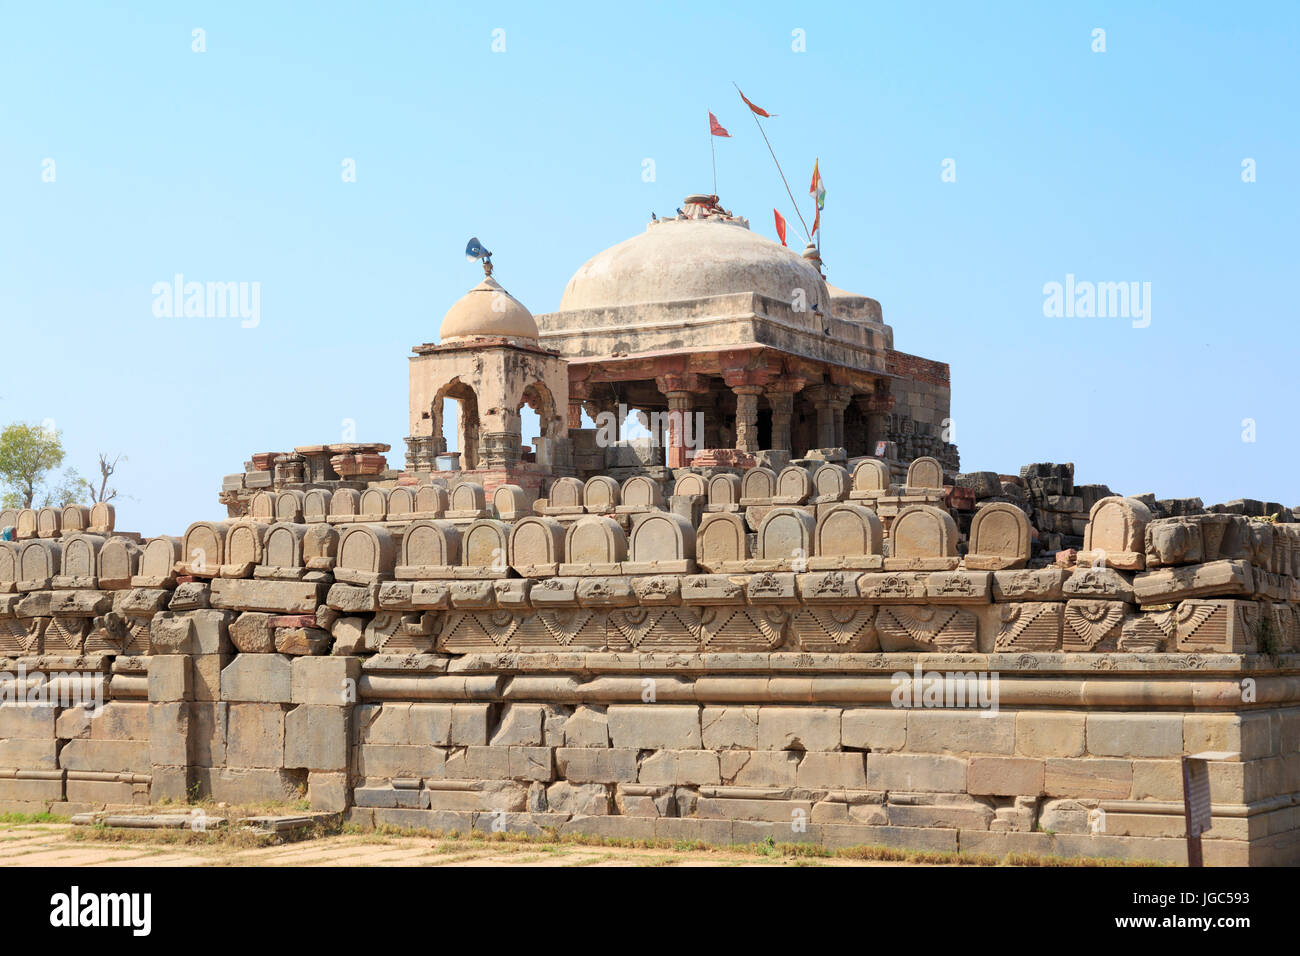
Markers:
(854, 307)
(691, 258)
(487, 310)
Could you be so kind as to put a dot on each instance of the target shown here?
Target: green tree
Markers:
(28, 453)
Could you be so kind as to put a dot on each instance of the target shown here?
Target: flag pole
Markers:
(713, 153)
(775, 160)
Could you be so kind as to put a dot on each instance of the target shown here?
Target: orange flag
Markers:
(758, 110)
(715, 128)
(780, 223)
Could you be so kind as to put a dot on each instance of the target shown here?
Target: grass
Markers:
(451, 846)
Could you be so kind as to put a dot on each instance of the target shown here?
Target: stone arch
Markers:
(8, 566)
(922, 538)
(38, 563)
(289, 506)
(25, 525)
(925, 473)
(566, 494)
(401, 503)
(467, 421)
(642, 492)
(870, 479)
(847, 536)
(320, 547)
(537, 397)
(430, 549)
(9, 518)
(78, 568)
(536, 546)
(831, 482)
(785, 536)
(724, 492)
(690, 484)
(999, 538)
(662, 542)
(595, 544)
(510, 502)
(203, 550)
(345, 505)
(366, 554)
(282, 550)
(75, 518)
(486, 548)
(117, 563)
(757, 487)
(49, 522)
(245, 541)
(374, 505)
(600, 495)
(158, 563)
(793, 486)
(1116, 534)
(316, 505)
(468, 498)
(261, 507)
(103, 516)
(721, 544)
(430, 501)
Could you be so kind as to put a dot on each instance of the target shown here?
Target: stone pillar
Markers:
(575, 415)
(875, 408)
(780, 396)
(679, 410)
(747, 417)
(830, 401)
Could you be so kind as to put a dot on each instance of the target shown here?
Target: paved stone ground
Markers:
(55, 844)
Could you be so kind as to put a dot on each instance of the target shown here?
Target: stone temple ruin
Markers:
(803, 624)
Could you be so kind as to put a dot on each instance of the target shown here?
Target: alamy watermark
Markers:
(955, 689)
(1102, 300)
(179, 299)
(58, 689)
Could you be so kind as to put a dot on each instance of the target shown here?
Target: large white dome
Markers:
(676, 259)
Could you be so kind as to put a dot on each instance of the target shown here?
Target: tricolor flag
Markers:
(715, 128)
(818, 189)
(758, 110)
(780, 223)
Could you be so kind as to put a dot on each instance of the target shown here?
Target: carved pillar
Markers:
(680, 390)
(780, 396)
(575, 415)
(876, 409)
(830, 402)
(747, 417)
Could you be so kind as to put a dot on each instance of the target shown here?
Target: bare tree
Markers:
(106, 469)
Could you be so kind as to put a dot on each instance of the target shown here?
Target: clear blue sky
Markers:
(226, 166)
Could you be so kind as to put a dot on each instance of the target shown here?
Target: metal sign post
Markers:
(1196, 798)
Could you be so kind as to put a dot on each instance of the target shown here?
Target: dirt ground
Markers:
(59, 844)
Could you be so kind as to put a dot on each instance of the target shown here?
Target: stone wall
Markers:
(776, 655)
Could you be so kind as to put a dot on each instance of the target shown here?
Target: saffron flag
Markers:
(780, 225)
(818, 188)
(715, 128)
(758, 110)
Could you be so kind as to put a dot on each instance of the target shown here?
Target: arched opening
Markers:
(455, 413)
(537, 422)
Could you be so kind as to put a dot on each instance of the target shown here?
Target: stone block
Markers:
(255, 735)
(832, 771)
(680, 768)
(470, 724)
(798, 728)
(916, 773)
(1005, 776)
(1135, 735)
(169, 734)
(730, 727)
(330, 681)
(592, 765)
(328, 791)
(585, 799)
(29, 753)
(876, 729)
(316, 737)
(655, 726)
(257, 678)
(430, 724)
(521, 725)
(19, 720)
(960, 731)
(1043, 734)
(398, 761)
(170, 678)
(105, 756)
(1088, 777)
(759, 768)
